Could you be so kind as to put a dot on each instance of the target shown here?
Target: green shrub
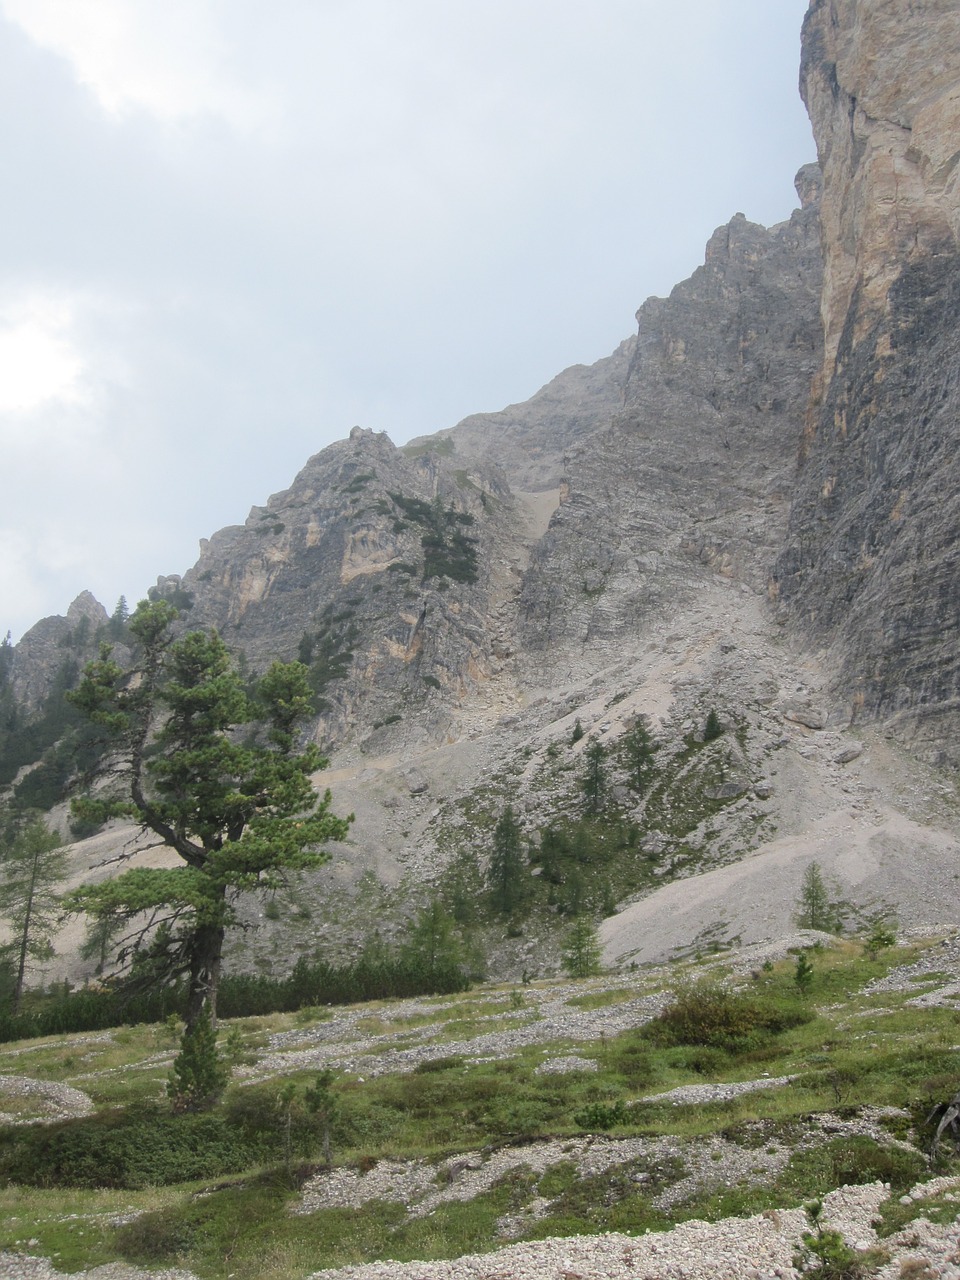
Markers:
(706, 1013)
(198, 1077)
(138, 1147)
(601, 1115)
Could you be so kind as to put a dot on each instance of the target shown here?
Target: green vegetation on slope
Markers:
(855, 1058)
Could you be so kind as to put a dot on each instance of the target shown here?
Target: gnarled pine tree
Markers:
(238, 814)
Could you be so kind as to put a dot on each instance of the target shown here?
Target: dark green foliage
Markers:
(447, 550)
(594, 783)
(581, 953)
(577, 732)
(312, 983)
(707, 1013)
(327, 653)
(238, 815)
(32, 867)
(601, 1116)
(433, 944)
(636, 750)
(883, 934)
(712, 727)
(172, 594)
(138, 1147)
(117, 626)
(198, 1077)
(508, 877)
(462, 885)
(803, 974)
(148, 1145)
(827, 1256)
(585, 866)
(816, 908)
(321, 1102)
(853, 1161)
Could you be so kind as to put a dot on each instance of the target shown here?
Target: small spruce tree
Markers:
(199, 1077)
(507, 877)
(322, 1103)
(636, 753)
(815, 908)
(803, 974)
(712, 728)
(581, 958)
(594, 780)
(32, 868)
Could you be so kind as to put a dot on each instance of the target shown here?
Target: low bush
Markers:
(709, 1014)
(138, 1147)
(149, 1145)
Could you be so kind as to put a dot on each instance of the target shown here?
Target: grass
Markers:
(851, 1050)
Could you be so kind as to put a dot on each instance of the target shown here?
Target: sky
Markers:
(230, 231)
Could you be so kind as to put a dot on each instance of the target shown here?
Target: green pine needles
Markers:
(198, 1077)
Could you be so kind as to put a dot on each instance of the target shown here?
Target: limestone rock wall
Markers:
(694, 476)
(869, 572)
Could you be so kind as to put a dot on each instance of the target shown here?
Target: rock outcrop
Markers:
(379, 568)
(40, 656)
(870, 568)
(694, 475)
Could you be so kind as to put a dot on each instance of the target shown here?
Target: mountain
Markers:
(749, 508)
(869, 571)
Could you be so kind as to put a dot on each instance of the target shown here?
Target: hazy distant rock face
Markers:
(52, 642)
(529, 440)
(871, 566)
(695, 474)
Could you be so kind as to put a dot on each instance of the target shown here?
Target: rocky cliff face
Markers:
(694, 475)
(380, 568)
(870, 569)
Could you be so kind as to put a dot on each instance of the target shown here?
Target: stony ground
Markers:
(735, 1249)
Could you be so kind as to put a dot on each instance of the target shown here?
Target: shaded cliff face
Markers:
(869, 572)
(694, 475)
(379, 568)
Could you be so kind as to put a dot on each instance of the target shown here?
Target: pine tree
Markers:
(712, 727)
(198, 1077)
(323, 1104)
(815, 908)
(636, 752)
(594, 780)
(32, 868)
(432, 943)
(581, 957)
(239, 814)
(507, 876)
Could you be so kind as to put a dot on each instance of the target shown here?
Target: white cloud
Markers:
(164, 56)
(39, 362)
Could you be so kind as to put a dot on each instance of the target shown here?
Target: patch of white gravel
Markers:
(58, 1101)
(21, 1266)
(732, 1249)
(691, 1094)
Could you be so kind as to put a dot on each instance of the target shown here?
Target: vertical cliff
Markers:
(869, 573)
(694, 476)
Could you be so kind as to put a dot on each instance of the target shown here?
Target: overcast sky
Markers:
(231, 230)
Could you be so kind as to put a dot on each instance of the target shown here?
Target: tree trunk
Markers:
(206, 948)
(25, 935)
